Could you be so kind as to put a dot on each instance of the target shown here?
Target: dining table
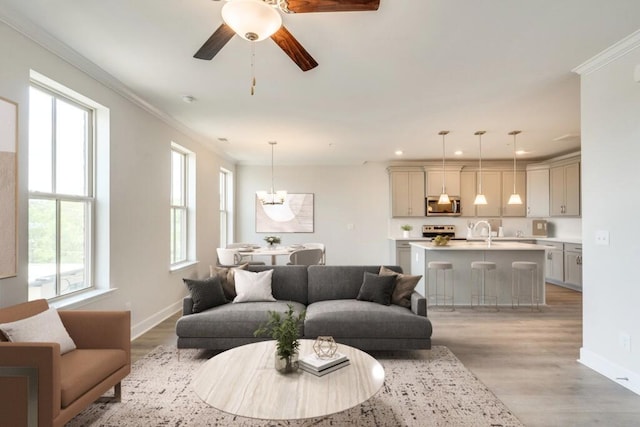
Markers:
(269, 251)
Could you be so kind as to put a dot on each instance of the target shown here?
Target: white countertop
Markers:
(573, 240)
(463, 245)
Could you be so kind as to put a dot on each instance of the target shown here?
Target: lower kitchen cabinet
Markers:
(402, 249)
(563, 264)
(573, 266)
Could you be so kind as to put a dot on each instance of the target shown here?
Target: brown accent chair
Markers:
(66, 384)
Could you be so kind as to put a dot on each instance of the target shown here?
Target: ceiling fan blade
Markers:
(294, 49)
(307, 6)
(216, 42)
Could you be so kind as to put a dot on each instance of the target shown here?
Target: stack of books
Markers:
(322, 366)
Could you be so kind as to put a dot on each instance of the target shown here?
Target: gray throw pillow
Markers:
(376, 288)
(405, 284)
(206, 293)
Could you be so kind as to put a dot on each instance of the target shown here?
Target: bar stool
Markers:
(436, 298)
(479, 289)
(518, 270)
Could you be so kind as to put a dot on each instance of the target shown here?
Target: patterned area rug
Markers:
(422, 388)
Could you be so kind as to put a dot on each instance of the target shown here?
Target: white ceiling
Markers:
(387, 80)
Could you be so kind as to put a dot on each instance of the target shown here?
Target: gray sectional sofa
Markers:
(328, 293)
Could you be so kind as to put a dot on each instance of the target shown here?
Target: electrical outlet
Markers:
(625, 341)
(602, 238)
(127, 305)
(350, 226)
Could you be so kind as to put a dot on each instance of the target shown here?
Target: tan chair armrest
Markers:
(98, 329)
(45, 357)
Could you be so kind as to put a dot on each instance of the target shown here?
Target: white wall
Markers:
(610, 153)
(344, 196)
(138, 237)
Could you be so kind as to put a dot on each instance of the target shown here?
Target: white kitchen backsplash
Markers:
(558, 227)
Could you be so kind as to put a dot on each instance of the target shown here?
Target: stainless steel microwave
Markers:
(434, 208)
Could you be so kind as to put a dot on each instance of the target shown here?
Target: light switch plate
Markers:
(602, 238)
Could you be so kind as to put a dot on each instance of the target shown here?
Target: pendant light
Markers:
(444, 197)
(515, 197)
(271, 197)
(480, 199)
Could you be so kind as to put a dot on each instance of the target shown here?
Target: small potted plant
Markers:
(272, 240)
(285, 329)
(406, 228)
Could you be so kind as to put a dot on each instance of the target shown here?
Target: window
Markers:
(183, 206)
(61, 194)
(226, 204)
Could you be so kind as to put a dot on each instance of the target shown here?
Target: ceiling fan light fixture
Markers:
(253, 20)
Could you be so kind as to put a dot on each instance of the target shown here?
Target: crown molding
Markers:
(609, 55)
(39, 36)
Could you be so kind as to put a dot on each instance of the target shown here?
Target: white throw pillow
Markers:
(252, 286)
(43, 327)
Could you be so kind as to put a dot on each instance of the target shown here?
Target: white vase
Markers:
(405, 233)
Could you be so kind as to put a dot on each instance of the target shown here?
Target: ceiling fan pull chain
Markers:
(253, 68)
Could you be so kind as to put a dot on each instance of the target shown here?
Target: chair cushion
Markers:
(81, 370)
(231, 320)
(363, 319)
(376, 288)
(205, 293)
(42, 327)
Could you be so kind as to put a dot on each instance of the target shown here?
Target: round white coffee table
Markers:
(243, 381)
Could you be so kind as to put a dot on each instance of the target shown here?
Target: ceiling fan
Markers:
(255, 20)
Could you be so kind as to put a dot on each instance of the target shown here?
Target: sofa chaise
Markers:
(328, 294)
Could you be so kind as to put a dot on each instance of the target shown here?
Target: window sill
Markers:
(183, 266)
(80, 299)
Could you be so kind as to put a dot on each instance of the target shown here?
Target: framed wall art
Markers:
(295, 215)
(8, 187)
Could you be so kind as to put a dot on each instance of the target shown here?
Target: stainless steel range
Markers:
(438, 230)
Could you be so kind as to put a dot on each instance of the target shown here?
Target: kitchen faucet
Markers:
(483, 222)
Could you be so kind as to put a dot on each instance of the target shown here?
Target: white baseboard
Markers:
(151, 321)
(613, 371)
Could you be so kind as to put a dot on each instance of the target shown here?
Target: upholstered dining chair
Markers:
(321, 246)
(305, 257)
(245, 257)
(228, 256)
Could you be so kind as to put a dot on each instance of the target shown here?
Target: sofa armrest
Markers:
(187, 306)
(418, 304)
(43, 357)
(99, 329)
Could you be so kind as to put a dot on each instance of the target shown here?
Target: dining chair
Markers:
(228, 256)
(321, 246)
(245, 257)
(305, 257)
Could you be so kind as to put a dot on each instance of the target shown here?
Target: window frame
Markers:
(226, 206)
(187, 208)
(88, 199)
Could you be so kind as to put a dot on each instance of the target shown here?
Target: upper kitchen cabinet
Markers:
(451, 181)
(467, 193)
(507, 191)
(407, 193)
(564, 189)
(538, 192)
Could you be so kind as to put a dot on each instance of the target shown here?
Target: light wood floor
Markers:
(527, 359)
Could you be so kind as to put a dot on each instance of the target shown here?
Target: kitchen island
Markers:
(462, 253)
